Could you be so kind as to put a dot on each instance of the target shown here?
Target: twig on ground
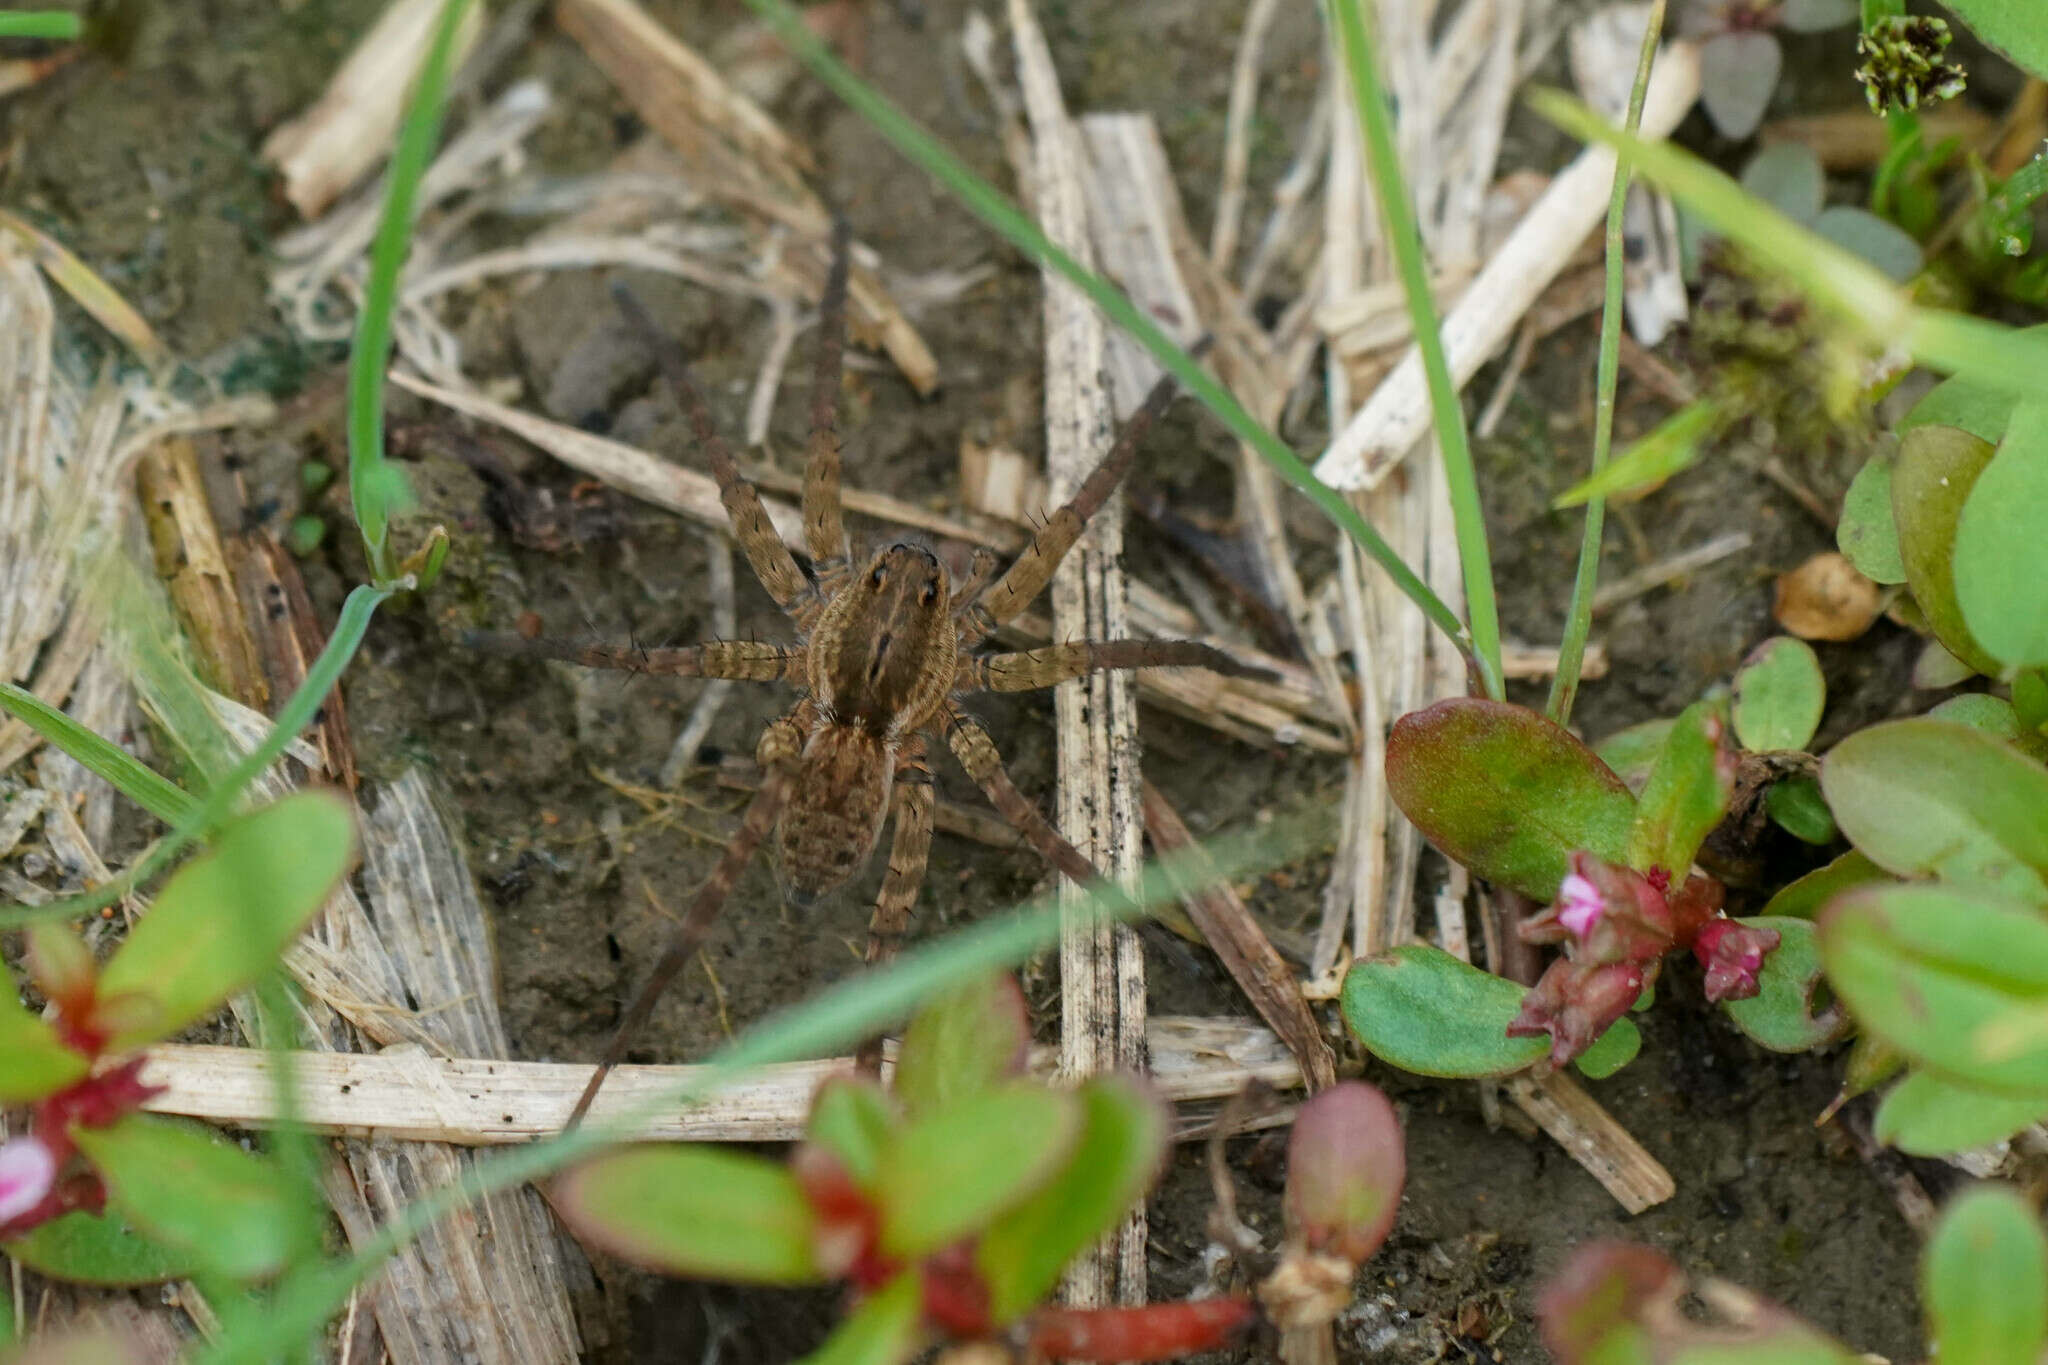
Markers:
(1669, 569)
(1563, 1109)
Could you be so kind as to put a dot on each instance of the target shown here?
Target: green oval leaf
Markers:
(33, 1061)
(1956, 981)
(1798, 808)
(1779, 696)
(694, 1210)
(967, 1040)
(1687, 794)
(854, 1119)
(1985, 1279)
(189, 1188)
(1425, 1011)
(1926, 798)
(1867, 534)
(1632, 753)
(1926, 1115)
(1931, 480)
(950, 1173)
(1804, 898)
(103, 1250)
(223, 919)
(1996, 717)
(1506, 792)
(1980, 409)
(1780, 1015)
(887, 1327)
(1885, 245)
(1787, 176)
(2001, 546)
(1124, 1132)
(1611, 1051)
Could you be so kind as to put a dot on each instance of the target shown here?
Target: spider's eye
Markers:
(929, 595)
(879, 577)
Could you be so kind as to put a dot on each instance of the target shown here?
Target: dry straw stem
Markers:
(1102, 967)
(351, 127)
(1285, 712)
(738, 153)
(1562, 1108)
(1397, 416)
(410, 1094)
(1670, 569)
(185, 544)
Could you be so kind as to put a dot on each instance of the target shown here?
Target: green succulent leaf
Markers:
(1124, 1133)
(1687, 794)
(1632, 753)
(1928, 1115)
(853, 1118)
(1967, 404)
(1799, 809)
(1506, 792)
(1955, 980)
(1996, 717)
(1611, 1051)
(33, 1061)
(1885, 245)
(1927, 798)
(1780, 1016)
(1788, 177)
(223, 918)
(1425, 1011)
(1985, 1279)
(84, 1248)
(1803, 898)
(1931, 480)
(950, 1173)
(887, 1327)
(1779, 696)
(694, 1210)
(968, 1040)
(189, 1188)
(2001, 546)
(1867, 534)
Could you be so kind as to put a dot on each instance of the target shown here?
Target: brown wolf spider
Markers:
(884, 651)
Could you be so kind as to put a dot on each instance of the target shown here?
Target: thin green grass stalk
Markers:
(52, 24)
(989, 204)
(832, 1020)
(145, 786)
(375, 485)
(1397, 207)
(1564, 686)
(296, 714)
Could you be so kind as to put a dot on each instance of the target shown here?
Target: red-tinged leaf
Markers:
(886, 1328)
(699, 1211)
(950, 1173)
(1927, 798)
(1346, 1162)
(223, 919)
(1931, 481)
(1123, 1139)
(854, 1119)
(1158, 1331)
(1687, 794)
(1506, 792)
(967, 1040)
(96, 1249)
(187, 1187)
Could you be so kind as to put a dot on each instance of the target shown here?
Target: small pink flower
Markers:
(1733, 954)
(28, 1171)
(1579, 905)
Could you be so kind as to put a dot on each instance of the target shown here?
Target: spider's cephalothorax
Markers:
(884, 651)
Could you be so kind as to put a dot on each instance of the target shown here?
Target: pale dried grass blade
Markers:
(90, 292)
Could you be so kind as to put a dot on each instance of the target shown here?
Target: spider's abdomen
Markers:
(836, 808)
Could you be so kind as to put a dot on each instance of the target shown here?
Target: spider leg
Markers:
(1033, 668)
(977, 753)
(979, 571)
(1034, 568)
(772, 563)
(824, 532)
(739, 660)
(911, 806)
(779, 742)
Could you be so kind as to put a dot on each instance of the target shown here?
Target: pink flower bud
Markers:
(28, 1173)
(1733, 954)
(1604, 913)
(1579, 905)
(1575, 1004)
(1345, 1167)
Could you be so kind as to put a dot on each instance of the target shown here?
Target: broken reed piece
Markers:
(1593, 1137)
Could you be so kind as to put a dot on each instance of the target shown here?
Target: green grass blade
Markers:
(52, 24)
(374, 484)
(1578, 621)
(134, 779)
(834, 1019)
(296, 714)
(988, 204)
(1390, 190)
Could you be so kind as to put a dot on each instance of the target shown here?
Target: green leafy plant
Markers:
(96, 1190)
(1983, 1278)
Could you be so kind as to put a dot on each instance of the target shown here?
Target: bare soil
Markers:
(147, 168)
